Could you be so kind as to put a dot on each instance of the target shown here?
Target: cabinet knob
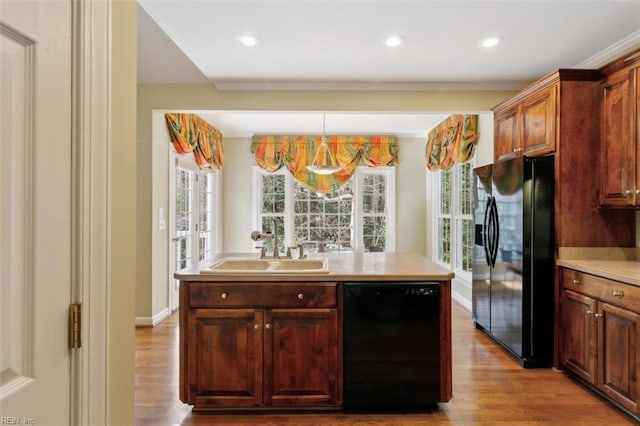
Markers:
(598, 316)
(300, 296)
(627, 193)
(637, 191)
(267, 326)
(618, 293)
(256, 326)
(575, 282)
(589, 312)
(224, 295)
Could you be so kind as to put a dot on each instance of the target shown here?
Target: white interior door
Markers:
(35, 213)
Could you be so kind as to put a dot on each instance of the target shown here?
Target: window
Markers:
(355, 218)
(453, 218)
(194, 210)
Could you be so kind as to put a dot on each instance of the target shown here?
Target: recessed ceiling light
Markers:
(490, 41)
(248, 40)
(394, 41)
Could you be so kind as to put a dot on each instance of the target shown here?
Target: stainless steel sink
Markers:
(239, 265)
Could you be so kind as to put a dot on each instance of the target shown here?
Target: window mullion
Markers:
(357, 213)
(196, 216)
(455, 196)
(289, 221)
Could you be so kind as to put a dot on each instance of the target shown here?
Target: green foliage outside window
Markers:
(327, 221)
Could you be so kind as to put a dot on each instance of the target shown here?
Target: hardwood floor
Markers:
(489, 388)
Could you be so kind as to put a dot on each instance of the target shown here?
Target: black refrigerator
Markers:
(513, 256)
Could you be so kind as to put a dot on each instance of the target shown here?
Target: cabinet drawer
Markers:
(272, 295)
(609, 291)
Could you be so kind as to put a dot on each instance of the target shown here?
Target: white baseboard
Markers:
(462, 301)
(154, 320)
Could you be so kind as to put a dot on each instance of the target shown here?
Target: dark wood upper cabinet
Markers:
(507, 134)
(526, 123)
(559, 114)
(619, 182)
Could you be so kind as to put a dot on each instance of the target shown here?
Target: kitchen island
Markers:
(274, 340)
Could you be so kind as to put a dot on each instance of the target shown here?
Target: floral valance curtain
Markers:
(452, 141)
(190, 133)
(296, 152)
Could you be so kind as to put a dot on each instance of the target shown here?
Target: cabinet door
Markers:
(617, 168)
(579, 331)
(225, 357)
(301, 357)
(637, 131)
(539, 122)
(507, 138)
(619, 360)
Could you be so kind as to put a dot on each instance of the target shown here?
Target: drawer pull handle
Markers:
(598, 316)
(618, 294)
(300, 296)
(589, 312)
(575, 282)
(267, 326)
(256, 326)
(224, 295)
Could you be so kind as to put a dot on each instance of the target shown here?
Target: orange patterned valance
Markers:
(296, 152)
(452, 141)
(190, 133)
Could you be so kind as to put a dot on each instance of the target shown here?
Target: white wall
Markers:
(237, 195)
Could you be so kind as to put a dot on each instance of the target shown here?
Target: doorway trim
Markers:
(91, 206)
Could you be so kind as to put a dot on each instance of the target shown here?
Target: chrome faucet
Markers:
(273, 235)
(269, 235)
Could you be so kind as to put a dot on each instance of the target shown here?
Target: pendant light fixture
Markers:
(324, 162)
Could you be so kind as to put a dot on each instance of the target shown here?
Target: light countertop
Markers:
(342, 267)
(626, 271)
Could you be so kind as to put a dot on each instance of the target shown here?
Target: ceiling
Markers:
(339, 45)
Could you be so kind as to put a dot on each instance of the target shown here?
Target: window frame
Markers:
(288, 216)
(214, 206)
(455, 215)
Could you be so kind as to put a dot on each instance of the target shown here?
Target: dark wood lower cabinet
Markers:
(225, 357)
(284, 355)
(301, 357)
(619, 364)
(600, 329)
(580, 335)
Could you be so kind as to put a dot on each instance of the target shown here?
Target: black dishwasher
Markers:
(391, 346)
